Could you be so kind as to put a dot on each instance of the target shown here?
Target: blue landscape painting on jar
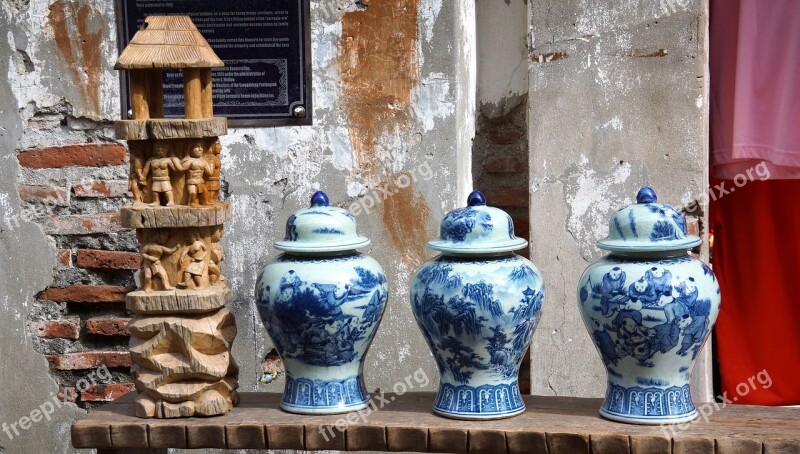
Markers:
(478, 317)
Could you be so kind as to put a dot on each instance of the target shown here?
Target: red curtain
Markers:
(755, 203)
(756, 258)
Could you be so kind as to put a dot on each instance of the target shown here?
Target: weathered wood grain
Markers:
(168, 42)
(172, 128)
(551, 425)
(161, 217)
(195, 301)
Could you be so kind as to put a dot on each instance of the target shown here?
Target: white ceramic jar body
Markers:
(322, 313)
(649, 315)
(478, 315)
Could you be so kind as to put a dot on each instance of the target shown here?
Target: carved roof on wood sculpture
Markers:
(168, 42)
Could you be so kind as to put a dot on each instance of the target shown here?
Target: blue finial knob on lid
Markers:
(319, 199)
(476, 198)
(646, 195)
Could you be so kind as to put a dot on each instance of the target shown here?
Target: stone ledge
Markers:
(170, 128)
(150, 217)
(196, 301)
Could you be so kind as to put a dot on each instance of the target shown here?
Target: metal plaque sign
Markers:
(265, 45)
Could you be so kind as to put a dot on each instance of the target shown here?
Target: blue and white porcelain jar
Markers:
(321, 302)
(649, 307)
(478, 305)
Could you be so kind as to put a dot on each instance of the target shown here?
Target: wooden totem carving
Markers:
(181, 334)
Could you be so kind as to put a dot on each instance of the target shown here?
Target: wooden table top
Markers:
(406, 423)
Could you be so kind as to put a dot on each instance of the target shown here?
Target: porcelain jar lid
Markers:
(321, 228)
(647, 226)
(477, 229)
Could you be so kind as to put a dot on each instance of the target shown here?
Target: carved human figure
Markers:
(196, 267)
(217, 256)
(197, 168)
(136, 178)
(160, 165)
(151, 254)
(212, 182)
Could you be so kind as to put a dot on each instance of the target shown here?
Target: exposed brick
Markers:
(521, 227)
(108, 326)
(106, 393)
(89, 360)
(693, 225)
(49, 195)
(114, 260)
(82, 224)
(85, 294)
(89, 155)
(507, 197)
(100, 188)
(64, 257)
(503, 164)
(67, 394)
(68, 328)
(505, 135)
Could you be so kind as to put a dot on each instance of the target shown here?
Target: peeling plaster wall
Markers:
(618, 96)
(386, 105)
(36, 79)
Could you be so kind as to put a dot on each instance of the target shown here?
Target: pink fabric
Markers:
(755, 87)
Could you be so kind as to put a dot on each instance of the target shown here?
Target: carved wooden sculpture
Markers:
(181, 334)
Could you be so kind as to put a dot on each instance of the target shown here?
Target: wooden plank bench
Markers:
(550, 425)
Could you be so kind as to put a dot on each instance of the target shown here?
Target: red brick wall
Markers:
(79, 323)
(500, 165)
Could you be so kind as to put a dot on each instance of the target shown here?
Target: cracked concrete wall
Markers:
(618, 99)
(386, 112)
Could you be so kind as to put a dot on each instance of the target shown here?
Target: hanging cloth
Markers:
(755, 87)
(755, 202)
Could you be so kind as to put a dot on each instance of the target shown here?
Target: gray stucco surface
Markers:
(618, 100)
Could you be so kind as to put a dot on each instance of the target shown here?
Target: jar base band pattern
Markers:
(481, 402)
(324, 396)
(669, 405)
